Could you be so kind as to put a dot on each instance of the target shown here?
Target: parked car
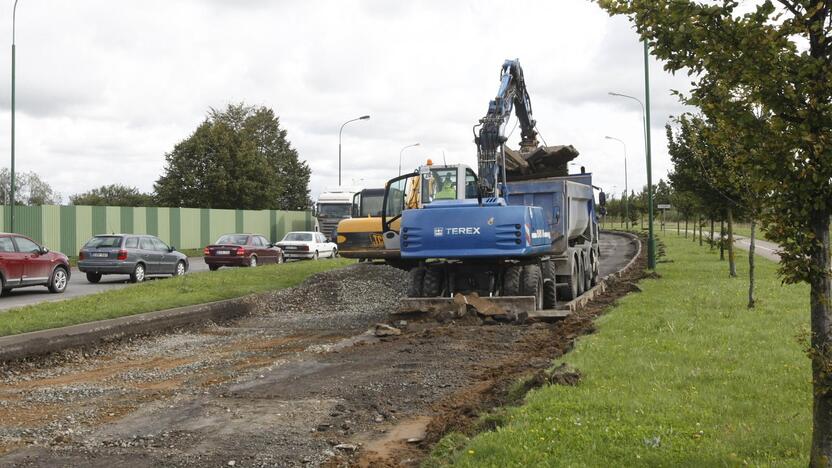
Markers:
(241, 250)
(136, 255)
(24, 262)
(307, 244)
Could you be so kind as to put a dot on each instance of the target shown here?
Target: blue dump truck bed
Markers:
(539, 217)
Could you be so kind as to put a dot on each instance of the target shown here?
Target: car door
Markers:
(36, 267)
(13, 261)
(323, 246)
(167, 260)
(147, 254)
(269, 252)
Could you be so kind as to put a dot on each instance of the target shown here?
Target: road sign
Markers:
(663, 206)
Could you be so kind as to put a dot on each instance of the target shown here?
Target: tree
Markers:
(777, 61)
(238, 158)
(30, 189)
(113, 195)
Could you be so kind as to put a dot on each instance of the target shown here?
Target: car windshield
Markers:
(337, 211)
(299, 237)
(103, 242)
(236, 239)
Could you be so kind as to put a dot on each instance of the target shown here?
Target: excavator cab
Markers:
(415, 190)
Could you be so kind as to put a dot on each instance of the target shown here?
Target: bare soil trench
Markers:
(298, 383)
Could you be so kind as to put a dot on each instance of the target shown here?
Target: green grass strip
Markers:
(160, 294)
(682, 374)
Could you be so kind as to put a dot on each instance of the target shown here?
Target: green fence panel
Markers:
(113, 220)
(51, 226)
(126, 215)
(139, 220)
(256, 222)
(164, 224)
(83, 226)
(28, 221)
(222, 222)
(190, 231)
(152, 221)
(68, 231)
(175, 226)
(204, 227)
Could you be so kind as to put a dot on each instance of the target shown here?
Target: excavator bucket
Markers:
(510, 308)
(543, 161)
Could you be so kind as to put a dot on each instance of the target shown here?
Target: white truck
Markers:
(333, 205)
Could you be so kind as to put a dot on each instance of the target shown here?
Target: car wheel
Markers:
(58, 280)
(334, 253)
(252, 261)
(180, 269)
(213, 267)
(93, 277)
(280, 258)
(315, 255)
(138, 273)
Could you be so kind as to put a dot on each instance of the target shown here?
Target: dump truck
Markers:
(333, 205)
(528, 236)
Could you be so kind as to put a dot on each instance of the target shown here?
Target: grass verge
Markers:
(681, 374)
(195, 288)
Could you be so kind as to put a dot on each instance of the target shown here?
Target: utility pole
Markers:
(363, 117)
(651, 241)
(11, 200)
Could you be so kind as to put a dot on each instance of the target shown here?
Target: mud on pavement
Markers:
(298, 383)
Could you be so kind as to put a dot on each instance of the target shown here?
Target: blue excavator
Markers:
(527, 234)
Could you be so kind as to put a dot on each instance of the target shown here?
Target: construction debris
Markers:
(545, 161)
(382, 330)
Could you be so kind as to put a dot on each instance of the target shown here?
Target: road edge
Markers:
(24, 345)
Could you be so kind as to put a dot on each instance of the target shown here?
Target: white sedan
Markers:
(307, 244)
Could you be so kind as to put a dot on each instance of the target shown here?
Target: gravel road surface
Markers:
(79, 286)
(300, 382)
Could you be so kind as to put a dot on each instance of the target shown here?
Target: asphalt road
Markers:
(79, 286)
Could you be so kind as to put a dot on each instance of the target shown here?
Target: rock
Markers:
(323, 427)
(415, 440)
(232, 462)
(379, 418)
(386, 330)
(346, 447)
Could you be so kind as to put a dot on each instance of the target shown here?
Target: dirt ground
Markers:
(299, 383)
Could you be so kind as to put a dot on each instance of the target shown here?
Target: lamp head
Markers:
(364, 117)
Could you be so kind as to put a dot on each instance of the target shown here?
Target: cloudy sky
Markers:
(105, 88)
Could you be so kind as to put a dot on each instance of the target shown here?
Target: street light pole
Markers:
(11, 200)
(645, 112)
(400, 155)
(363, 117)
(626, 190)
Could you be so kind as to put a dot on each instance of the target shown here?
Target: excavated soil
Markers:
(298, 383)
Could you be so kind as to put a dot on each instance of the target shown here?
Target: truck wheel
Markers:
(580, 278)
(417, 276)
(550, 290)
(595, 267)
(511, 280)
(570, 291)
(531, 284)
(434, 282)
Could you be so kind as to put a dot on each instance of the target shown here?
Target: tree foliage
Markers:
(237, 158)
(30, 189)
(113, 195)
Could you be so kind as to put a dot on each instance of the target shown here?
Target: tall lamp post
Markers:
(11, 200)
(363, 117)
(651, 243)
(400, 155)
(626, 190)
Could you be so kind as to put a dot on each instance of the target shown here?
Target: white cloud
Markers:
(106, 88)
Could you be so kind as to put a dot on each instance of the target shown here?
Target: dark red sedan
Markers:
(241, 250)
(24, 262)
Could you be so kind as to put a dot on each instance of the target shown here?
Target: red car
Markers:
(24, 262)
(241, 250)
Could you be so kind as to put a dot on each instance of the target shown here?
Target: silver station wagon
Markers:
(136, 255)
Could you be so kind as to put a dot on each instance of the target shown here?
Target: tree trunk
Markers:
(677, 226)
(732, 264)
(751, 247)
(821, 346)
(722, 239)
(700, 230)
(686, 227)
(711, 238)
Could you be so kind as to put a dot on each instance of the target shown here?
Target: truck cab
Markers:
(333, 205)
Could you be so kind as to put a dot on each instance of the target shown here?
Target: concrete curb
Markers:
(24, 345)
(601, 287)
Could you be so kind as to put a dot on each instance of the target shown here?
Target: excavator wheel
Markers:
(417, 275)
(531, 284)
(550, 290)
(511, 280)
(434, 282)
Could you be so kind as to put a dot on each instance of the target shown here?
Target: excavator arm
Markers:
(491, 138)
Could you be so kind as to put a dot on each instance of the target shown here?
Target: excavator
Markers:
(524, 238)
(362, 236)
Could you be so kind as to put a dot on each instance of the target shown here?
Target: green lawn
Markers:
(195, 288)
(681, 374)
